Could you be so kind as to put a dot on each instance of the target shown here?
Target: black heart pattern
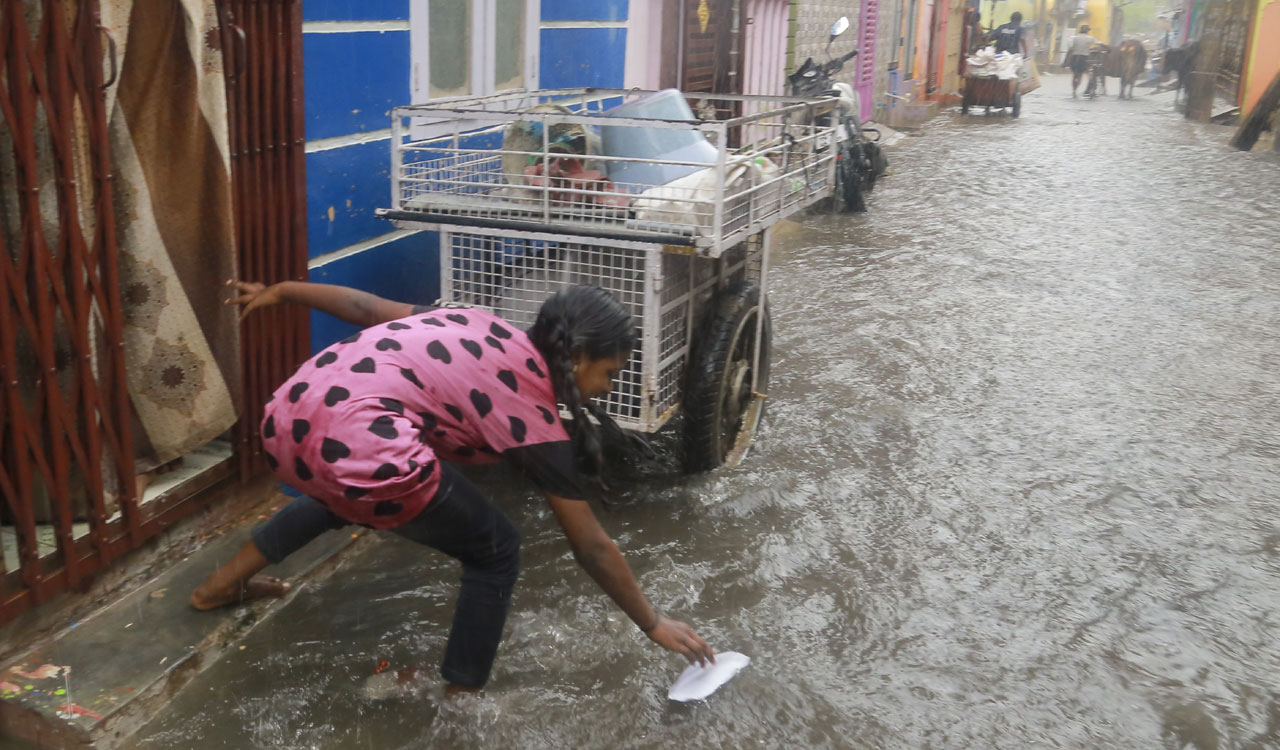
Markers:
(353, 338)
(437, 350)
(327, 358)
(425, 473)
(454, 412)
(499, 331)
(300, 429)
(302, 470)
(336, 393)
(354, 493)
(508, 379)
(385, 344)
(390, 404)
(533, 367)
(332, 450)
(481, 402)
(296, 391)
(433, 322)
(412, 377)
(472, 347)
(397, 326)
(459, 319)
(384, 427)
(386, 471)
(496, 344)
(428, 420)
(365, 366)
(547, 416)
(269, 427)
(518, 429)
(271, 461)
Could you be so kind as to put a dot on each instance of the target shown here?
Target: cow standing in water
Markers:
(1133, 60)
(1181, 60)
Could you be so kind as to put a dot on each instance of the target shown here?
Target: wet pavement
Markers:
(1017, 488)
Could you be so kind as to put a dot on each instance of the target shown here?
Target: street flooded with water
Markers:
(1017, 487)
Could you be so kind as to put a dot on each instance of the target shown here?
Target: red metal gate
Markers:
(262, 40)
(64, 417)
(66, 452)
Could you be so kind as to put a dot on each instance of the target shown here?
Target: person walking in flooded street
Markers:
(1078, 56)
(1010, 37)
(369, 430)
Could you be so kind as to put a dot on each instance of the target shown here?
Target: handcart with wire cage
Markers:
(534, 190)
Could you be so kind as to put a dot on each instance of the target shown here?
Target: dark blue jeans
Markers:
(459, 522)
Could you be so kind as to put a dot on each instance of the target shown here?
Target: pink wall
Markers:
(764, 57)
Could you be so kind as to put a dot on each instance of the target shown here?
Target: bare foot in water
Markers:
(210, 595)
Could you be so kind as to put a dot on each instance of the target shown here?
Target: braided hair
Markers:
(585, 321)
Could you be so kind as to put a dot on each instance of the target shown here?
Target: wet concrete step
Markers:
(103, 678)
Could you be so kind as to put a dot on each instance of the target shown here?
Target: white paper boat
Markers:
(696, 683)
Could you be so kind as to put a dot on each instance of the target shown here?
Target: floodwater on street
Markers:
(1017, 487)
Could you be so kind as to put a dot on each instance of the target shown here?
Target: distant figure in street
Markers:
(1009, 37)
(975, 30)
(1078, 57)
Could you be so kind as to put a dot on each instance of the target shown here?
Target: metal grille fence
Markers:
(666, 292)
(66, 452)
(263, 43)
(64, 417)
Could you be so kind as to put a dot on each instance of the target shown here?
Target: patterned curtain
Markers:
(168, 126)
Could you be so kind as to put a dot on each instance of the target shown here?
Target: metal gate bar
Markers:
(263, 40)
(65, 416)
(60, 290)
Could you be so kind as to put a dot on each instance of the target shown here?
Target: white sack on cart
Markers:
(690, 200)
(986, 62)
(1008, 65)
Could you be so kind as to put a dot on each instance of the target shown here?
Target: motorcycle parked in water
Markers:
(859, 159)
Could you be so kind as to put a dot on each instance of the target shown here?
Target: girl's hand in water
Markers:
(251, 295)
(676, 636)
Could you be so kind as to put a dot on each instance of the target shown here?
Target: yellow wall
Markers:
(1098, 16)
(1262, 61)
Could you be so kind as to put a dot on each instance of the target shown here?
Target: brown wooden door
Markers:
(712, 54)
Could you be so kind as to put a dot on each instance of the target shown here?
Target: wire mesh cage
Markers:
(566, 161)
(511, 274)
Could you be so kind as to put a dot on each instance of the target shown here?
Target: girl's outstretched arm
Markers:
(599, 556)
(352, 305)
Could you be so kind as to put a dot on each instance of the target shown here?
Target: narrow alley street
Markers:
(1016, 488)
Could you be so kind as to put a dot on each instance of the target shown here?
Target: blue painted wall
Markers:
(354, 10)
(585, 10)
(582, 57)
(357, 62)
(356, 79)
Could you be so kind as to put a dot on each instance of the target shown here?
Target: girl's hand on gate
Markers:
(251, 295)
(676, 636)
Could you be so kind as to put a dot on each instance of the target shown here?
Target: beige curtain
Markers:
(168, 127)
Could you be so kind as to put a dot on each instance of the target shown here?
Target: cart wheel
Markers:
(1017, 104)
(721, 412)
